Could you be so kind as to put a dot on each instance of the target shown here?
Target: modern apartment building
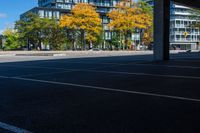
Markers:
(56, 8)
(182, 35)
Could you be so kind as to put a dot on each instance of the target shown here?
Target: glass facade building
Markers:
(56, 8)
(182, 35)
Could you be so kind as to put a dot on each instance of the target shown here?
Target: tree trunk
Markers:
(84, 43)
(83, 40)
(120, 41)
(39, 45)
(74, 45)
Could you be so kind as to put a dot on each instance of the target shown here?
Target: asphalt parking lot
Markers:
(126, 94)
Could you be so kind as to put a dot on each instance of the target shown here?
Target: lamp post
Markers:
(1, 41)
(141, 35)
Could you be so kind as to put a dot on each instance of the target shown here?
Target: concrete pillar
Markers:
(161, 29)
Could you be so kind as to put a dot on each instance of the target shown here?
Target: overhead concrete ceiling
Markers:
(190, 3)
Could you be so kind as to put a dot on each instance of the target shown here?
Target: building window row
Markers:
(49, 14)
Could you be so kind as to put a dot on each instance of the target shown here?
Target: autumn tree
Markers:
(85, 20)
(126, 18)
(147, 33)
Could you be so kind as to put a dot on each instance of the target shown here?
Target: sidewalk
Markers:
(73, 53)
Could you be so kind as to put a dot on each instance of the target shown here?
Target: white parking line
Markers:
(66, 70)
(13, 128)
(114, 72)
(41, 74)
(135, 63)
(82, 62)
(170, 66)
(106, 89)
(114, 65)
(145, 74)
(54, 68)
(183, 60)
(175, 58)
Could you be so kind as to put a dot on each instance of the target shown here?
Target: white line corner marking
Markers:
(107, 89)
(13, 128)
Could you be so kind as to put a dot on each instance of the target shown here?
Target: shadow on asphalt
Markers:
(50, 107)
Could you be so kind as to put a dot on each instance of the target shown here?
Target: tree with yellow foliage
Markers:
(126, 18)
(147, 36)
(84, 19)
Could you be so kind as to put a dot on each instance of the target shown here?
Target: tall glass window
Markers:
(59, 1)
(41, 13)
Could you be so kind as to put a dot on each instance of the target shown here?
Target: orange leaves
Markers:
(66, 21)
(83, 10)
(83, 17)
(148, 36)
(127, 17)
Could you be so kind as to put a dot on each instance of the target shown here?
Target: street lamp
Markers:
(141, 35)
(3, 40)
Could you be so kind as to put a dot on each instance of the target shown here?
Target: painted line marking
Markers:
(114, 72)
(145, 74)
(136, 64)
(170, 66)
(13, 128)
(117, 64)
(82, 62)
(65, 70)
(41, 74)
(54, 68)
(107, 89)
(130, 63)
(183, 57)
(183, 60)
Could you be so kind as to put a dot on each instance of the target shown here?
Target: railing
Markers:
(185, 40)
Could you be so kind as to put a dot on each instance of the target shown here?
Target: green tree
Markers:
(100, 41)
(54, 35)
(26, 30)
(146, 8)
(37, 31)
(115, 40)
(1, 41)
(11, 42)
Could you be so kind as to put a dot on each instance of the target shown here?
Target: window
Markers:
(67, 6)
(49, 14)
(68, 1)
(107, 35)
(56, 14)
(41, 13)
(60, 1)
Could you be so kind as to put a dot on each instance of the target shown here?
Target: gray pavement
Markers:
(113, 94)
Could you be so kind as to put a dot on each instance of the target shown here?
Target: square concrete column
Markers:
(161, 29)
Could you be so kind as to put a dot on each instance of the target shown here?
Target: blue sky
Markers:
(11, 9)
